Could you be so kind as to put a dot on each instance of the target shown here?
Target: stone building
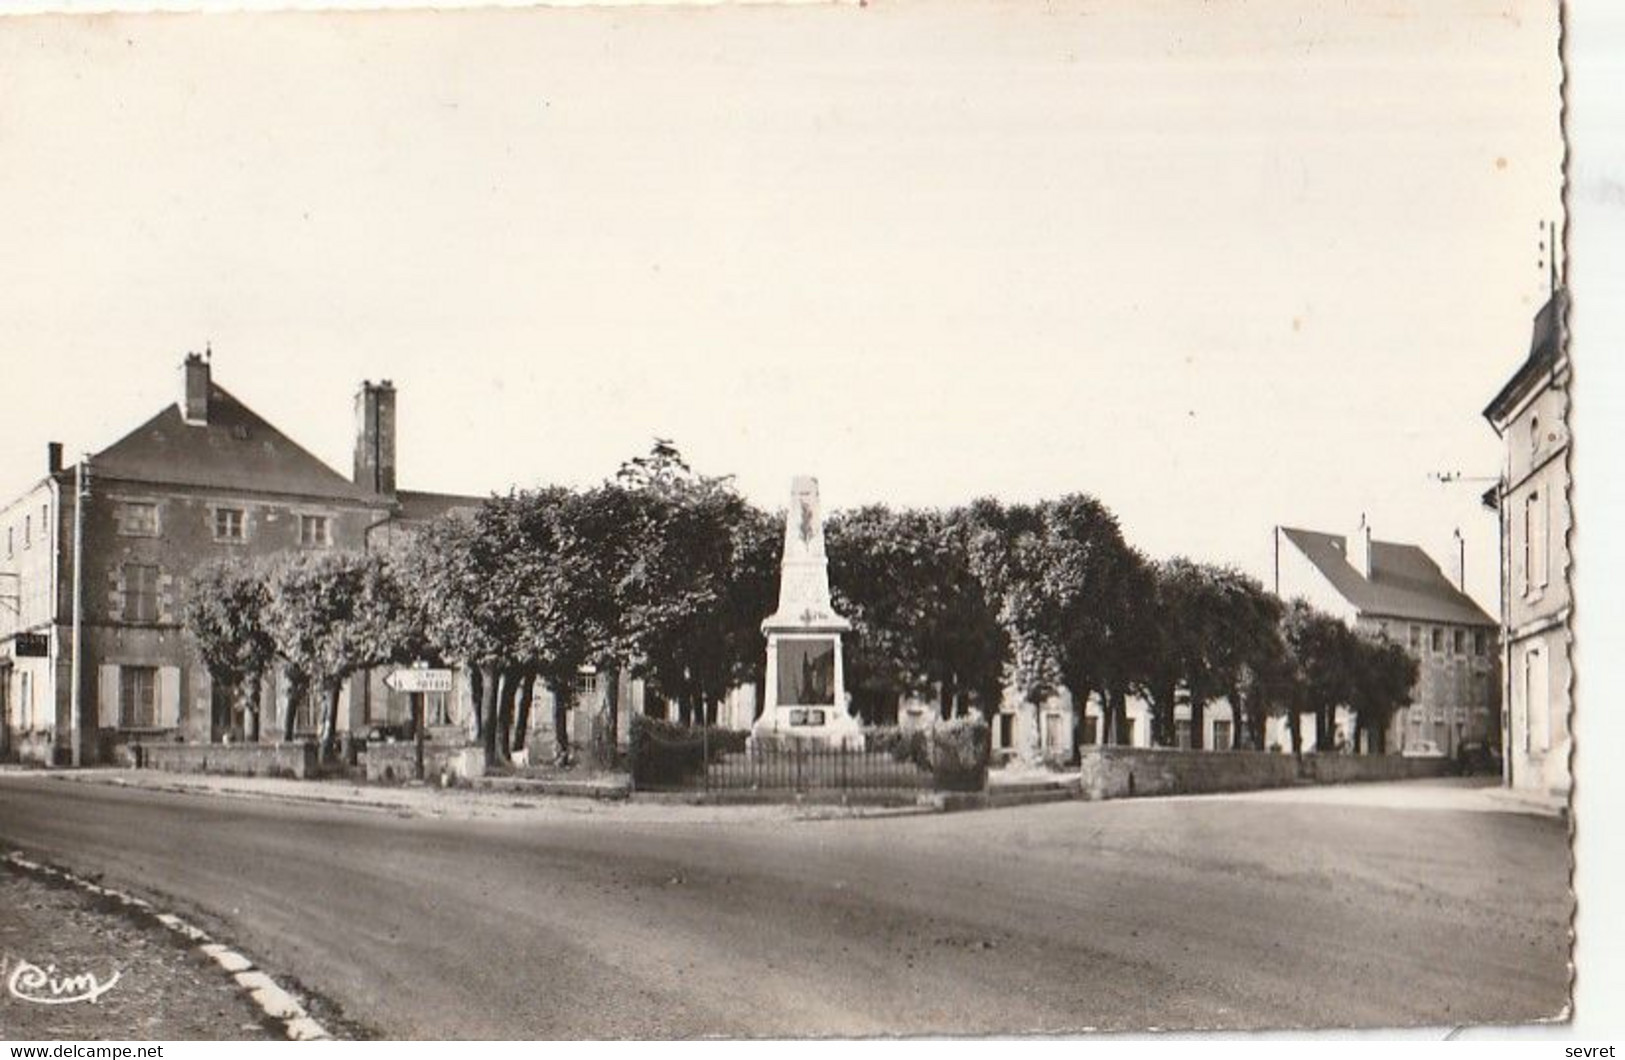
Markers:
(1384, 588)
(205, 478)
(1531, 414)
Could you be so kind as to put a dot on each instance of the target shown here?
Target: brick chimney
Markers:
(375, 437)
(53, 457)
(1359, 548)
(194, 401)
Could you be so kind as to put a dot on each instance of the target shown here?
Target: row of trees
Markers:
(667, 574)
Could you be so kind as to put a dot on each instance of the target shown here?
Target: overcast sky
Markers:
(1223, 266)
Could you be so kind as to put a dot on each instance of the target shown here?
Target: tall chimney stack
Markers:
(1457, 566)
(1359, 550)
(375, 437)
(194, 401)
(53, 457)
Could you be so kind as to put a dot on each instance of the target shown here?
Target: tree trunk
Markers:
(330, 717)
(488, 711)
(1162, 715)
(685, 711)
(521, 719)
(509, 691)
(562, 702)
(1294, 723)
(1119, 711)
(609, 751)
(290, 689)
(1198, 722)
(476, 691)
(1080, 710)
(1325, 722)
(1359, 729)
(249, 695)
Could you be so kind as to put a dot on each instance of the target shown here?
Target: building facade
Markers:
(204, 479)
(1393, 590)
(1531, 414)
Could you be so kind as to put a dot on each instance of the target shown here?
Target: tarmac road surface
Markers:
(1280, 909)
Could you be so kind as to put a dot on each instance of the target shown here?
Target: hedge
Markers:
(665, 754)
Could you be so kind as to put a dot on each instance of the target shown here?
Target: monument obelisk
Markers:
(805, 697)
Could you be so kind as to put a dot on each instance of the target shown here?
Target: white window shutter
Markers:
(169, 697)
(107, 696)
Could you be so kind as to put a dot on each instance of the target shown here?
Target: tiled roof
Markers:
(235, 449)
(1404, 582)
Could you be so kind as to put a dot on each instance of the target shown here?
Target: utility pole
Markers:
(76, 677)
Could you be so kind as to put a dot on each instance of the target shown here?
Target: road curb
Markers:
(275, 1002)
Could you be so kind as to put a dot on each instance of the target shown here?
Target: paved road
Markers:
(1269, 910)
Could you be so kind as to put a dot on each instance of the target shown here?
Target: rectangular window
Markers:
(229, 524)
(307, 715)
(1416, 638)
(1053, 736)
(140, 592)
(138, 519)
(1481, 642)
(1536, 695)
(586, 687)
(313, 531)
(1128, 731)
(1438, 640)
(437, 708)
(1007, 730)
(1458, 641)
(138, 697)
(1534, 542)
(1091, 731)
(1221, 736)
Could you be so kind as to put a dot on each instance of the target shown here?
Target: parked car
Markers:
(1478, 757)
(1422, 749)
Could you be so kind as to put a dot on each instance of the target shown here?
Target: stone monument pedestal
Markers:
(805, 697)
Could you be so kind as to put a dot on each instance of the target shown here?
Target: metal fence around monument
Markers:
(803, 768)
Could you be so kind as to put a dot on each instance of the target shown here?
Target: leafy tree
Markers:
(699, 580)
(1384, 675)
(882, 566)
(225, 611)
(459, 576)
(1218, 626)
(1322, 650)
(1060, 571)
(331, 615)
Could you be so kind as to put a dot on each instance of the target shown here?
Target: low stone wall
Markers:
(392, 763)
(1117, 772)
(1121, 772)
(296, 759)
(1349, 769)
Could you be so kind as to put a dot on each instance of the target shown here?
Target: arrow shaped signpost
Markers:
(417, 679)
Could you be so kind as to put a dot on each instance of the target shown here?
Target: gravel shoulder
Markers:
(165, 989)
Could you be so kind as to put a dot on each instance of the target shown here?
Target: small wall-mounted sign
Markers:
(32, 645)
